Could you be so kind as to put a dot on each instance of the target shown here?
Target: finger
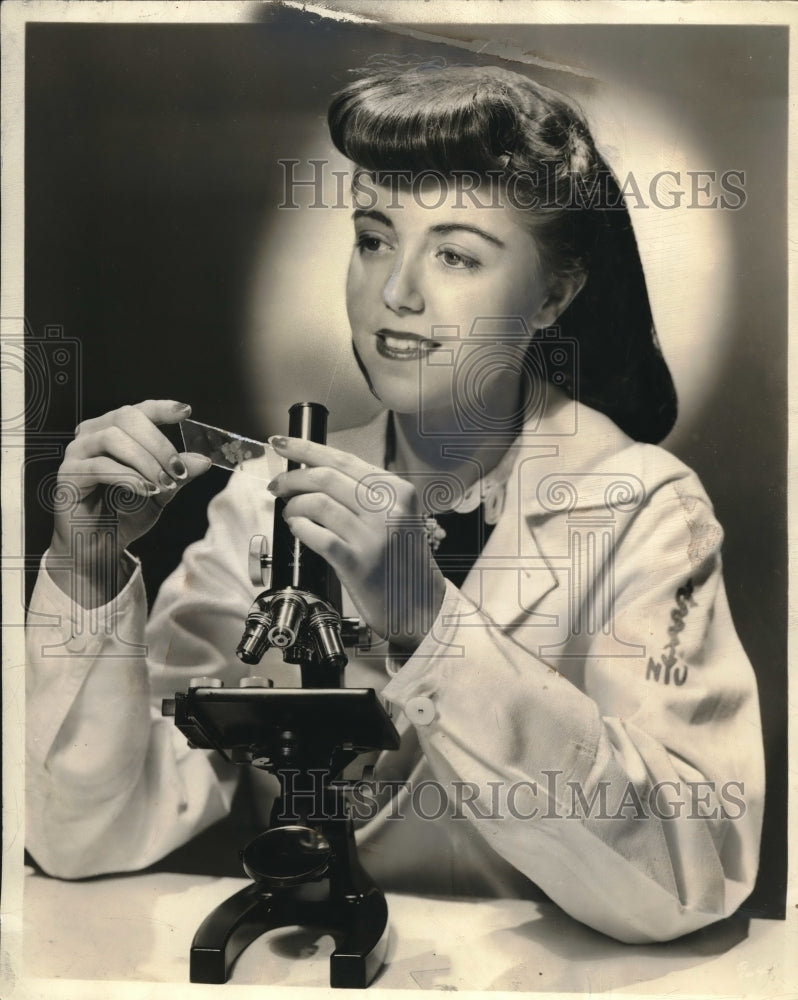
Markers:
(320, 479)
(102, 470)
(376, 492)
(116, 443)
(314, 454)
(325, 512)
(164, 411)
(159, 411)
(135, 421)
(195, 464)
(138, 426)
(323, 542)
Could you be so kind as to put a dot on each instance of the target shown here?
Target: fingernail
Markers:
(183, 408)
(149, 488)
(277, 441)
(195, 456)
(166, 481)
(272, 486)
(177, 468)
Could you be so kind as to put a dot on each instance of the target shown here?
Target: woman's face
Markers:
(420, 277)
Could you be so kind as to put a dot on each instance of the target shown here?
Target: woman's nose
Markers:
(401, 292)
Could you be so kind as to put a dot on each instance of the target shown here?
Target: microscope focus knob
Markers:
(259, 562)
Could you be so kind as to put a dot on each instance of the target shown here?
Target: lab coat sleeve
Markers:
(634, 802)
(111, 784)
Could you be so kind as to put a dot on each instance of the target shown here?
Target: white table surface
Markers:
(139, 928)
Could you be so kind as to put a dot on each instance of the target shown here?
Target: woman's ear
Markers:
(562, 291)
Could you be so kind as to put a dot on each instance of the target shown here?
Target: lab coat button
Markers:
(420, 711)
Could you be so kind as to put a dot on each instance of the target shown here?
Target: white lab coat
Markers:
(588, 662)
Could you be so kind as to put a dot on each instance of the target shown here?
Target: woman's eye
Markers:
(367, 243)
(452, 258)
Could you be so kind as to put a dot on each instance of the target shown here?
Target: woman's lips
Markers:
(398, 346)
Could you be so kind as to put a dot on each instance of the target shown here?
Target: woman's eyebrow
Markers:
(450, 227)
(441, 229)
(372, 213)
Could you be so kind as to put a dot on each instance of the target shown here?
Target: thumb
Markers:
(195, 464)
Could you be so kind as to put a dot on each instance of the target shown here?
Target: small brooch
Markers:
(434, 532)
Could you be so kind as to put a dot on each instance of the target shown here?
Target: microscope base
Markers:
(358, 922)
(304, 871)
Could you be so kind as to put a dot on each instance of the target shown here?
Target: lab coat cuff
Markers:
(413, 675)
(65, 642)
(85, 631)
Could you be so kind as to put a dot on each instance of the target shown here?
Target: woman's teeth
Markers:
(401, 343)
(397, 346)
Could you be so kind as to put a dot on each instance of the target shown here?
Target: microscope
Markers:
(304, 868)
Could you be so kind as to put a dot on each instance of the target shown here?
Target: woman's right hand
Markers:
(118, 474)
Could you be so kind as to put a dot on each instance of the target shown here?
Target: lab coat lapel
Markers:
(559, 485)
(512, 575)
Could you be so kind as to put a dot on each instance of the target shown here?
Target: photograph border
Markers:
(405, 16)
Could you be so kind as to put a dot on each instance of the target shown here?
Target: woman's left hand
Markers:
(368, 524)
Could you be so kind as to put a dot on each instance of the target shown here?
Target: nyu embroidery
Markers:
(670, 657)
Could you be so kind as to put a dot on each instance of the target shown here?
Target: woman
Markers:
(560, 659)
